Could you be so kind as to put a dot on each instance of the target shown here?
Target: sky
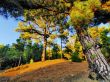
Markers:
(7, 30)
(107, 25)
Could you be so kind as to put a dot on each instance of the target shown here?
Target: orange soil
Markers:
(55, 72)
(49, 70)
(30, 67)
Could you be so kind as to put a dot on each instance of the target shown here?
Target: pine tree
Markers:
(37, 29)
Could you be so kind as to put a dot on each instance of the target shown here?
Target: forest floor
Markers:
(58, 70)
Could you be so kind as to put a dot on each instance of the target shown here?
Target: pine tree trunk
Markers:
(19, 61)
(61, 48)
(96, 60)
(44, 49)
(44, 45)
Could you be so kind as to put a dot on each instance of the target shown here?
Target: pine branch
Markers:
(29, 5)
(38, 32)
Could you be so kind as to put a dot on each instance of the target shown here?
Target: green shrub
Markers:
(75, 57)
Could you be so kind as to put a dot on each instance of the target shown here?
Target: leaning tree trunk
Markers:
(96, 60)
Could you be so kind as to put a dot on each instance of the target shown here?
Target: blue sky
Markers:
(105, 25)
(7, 30)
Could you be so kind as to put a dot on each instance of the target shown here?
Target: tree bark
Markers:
(96, 60)
(44, 49)
(61, 48)
(44, 46)
(19, 61)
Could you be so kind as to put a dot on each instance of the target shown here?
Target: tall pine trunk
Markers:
(96, 60)
(44, 49)
(61, 48)
(19, 62)
(44, 46)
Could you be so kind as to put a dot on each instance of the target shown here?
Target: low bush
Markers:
(75, 57)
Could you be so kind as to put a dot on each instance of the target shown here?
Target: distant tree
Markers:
(74, 46)
(95, 32)
(20, 45)
(9, 56)
(3, 51)
(105, 43)
(56, 51)
(63, 35)
(36, 51)
(13, 57)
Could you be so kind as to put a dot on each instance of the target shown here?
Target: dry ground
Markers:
(48, 71)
